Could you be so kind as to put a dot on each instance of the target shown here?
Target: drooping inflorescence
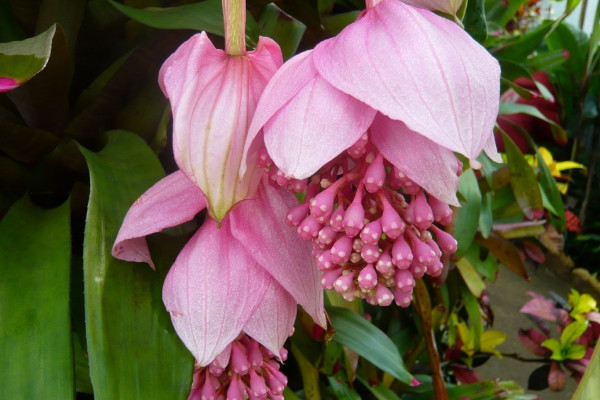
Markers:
(244, 370)
(373, 230)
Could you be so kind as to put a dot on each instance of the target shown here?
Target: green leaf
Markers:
(470, 276)
(36, 345)
(334, 24)
(472, 307)
(572, 332)
(523, 180)
(589, 387)
(515, 108)
(133, 350)
(379, 391)
(575, 352)
(510, 10)
(281, 27)
(310, 375)
(340, 388)
(22, 60)
(368, 341)
(488, 267)
(556, 348)
(204, 16)
(518, 49)
(485, 218)
(467, 219)
(563, 39)
(10, 30)
(551, 192)
(474, 21)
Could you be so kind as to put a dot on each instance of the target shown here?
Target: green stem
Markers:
(234, 19)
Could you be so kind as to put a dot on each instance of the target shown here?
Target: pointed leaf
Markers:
(523, 180)
(572, 332)
(506, 253)
(22, 60)
(369, 342)
(123, 300)
(467, 218)
(36, 347)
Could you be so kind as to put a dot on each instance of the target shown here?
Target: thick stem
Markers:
(234, 18)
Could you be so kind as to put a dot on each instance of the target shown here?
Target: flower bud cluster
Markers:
(244, 370)
(373, 230)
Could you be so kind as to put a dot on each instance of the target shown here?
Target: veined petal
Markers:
(213, 97)
(212, 290)
(278, 92)
(273, 320)
(258, 224)
(419, 68)
(171, 201)
(314, 127)
(492, 151)
(431, 166)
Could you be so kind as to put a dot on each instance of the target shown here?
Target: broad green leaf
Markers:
(310, 375)
(368, 341)
(470, 276)
(133, 350)
(467, 219)
(589, 387)
(36, 345)
(488, 267)
(472, 307)
(515, 108)
(523, 180)
(379, 391)
(485, 218)
(22, 60)
(474, 20)
(281, 27)
(204, 16)
(573, 331)
(563, 39)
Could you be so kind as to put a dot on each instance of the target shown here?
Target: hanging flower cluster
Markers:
(373, 131)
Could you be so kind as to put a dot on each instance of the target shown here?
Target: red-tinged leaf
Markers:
(534, 251)
(532, 339)
(572, 221)
(506, 253)
(540, 307)
(557, 378)
(43, 102)
(464, 375)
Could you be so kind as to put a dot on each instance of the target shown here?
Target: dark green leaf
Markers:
(379, 391)
(310, 375)
(25, 144)
(519, 48)
(10, 30)
(552, 193)
(340, 388)
(281, 27)
(335, 23)
(204, 16)
(22, 60)
(510, 9)
(523, 180)
(36, 345)
(368, 341)
(133, 350)
(563, 39)
(467, 219)
(485, 218)
(474, 21)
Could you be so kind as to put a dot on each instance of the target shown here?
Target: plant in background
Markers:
(577, 323)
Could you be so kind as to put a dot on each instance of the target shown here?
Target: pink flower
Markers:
(244, 277)
(213, 97)
(374, 116)
(7, 84)
(233, 290)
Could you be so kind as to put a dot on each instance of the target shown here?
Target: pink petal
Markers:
(492, 151)
(431, 166)
(171, 201)
(273, 320)
(213, 97)
(259, 225)
(212, 290)
(7, 84)
(307, 125)
(419, 68)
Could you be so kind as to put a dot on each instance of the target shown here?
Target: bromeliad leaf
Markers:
(22, 60)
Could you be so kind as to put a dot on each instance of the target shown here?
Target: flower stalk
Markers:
(234, 18)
